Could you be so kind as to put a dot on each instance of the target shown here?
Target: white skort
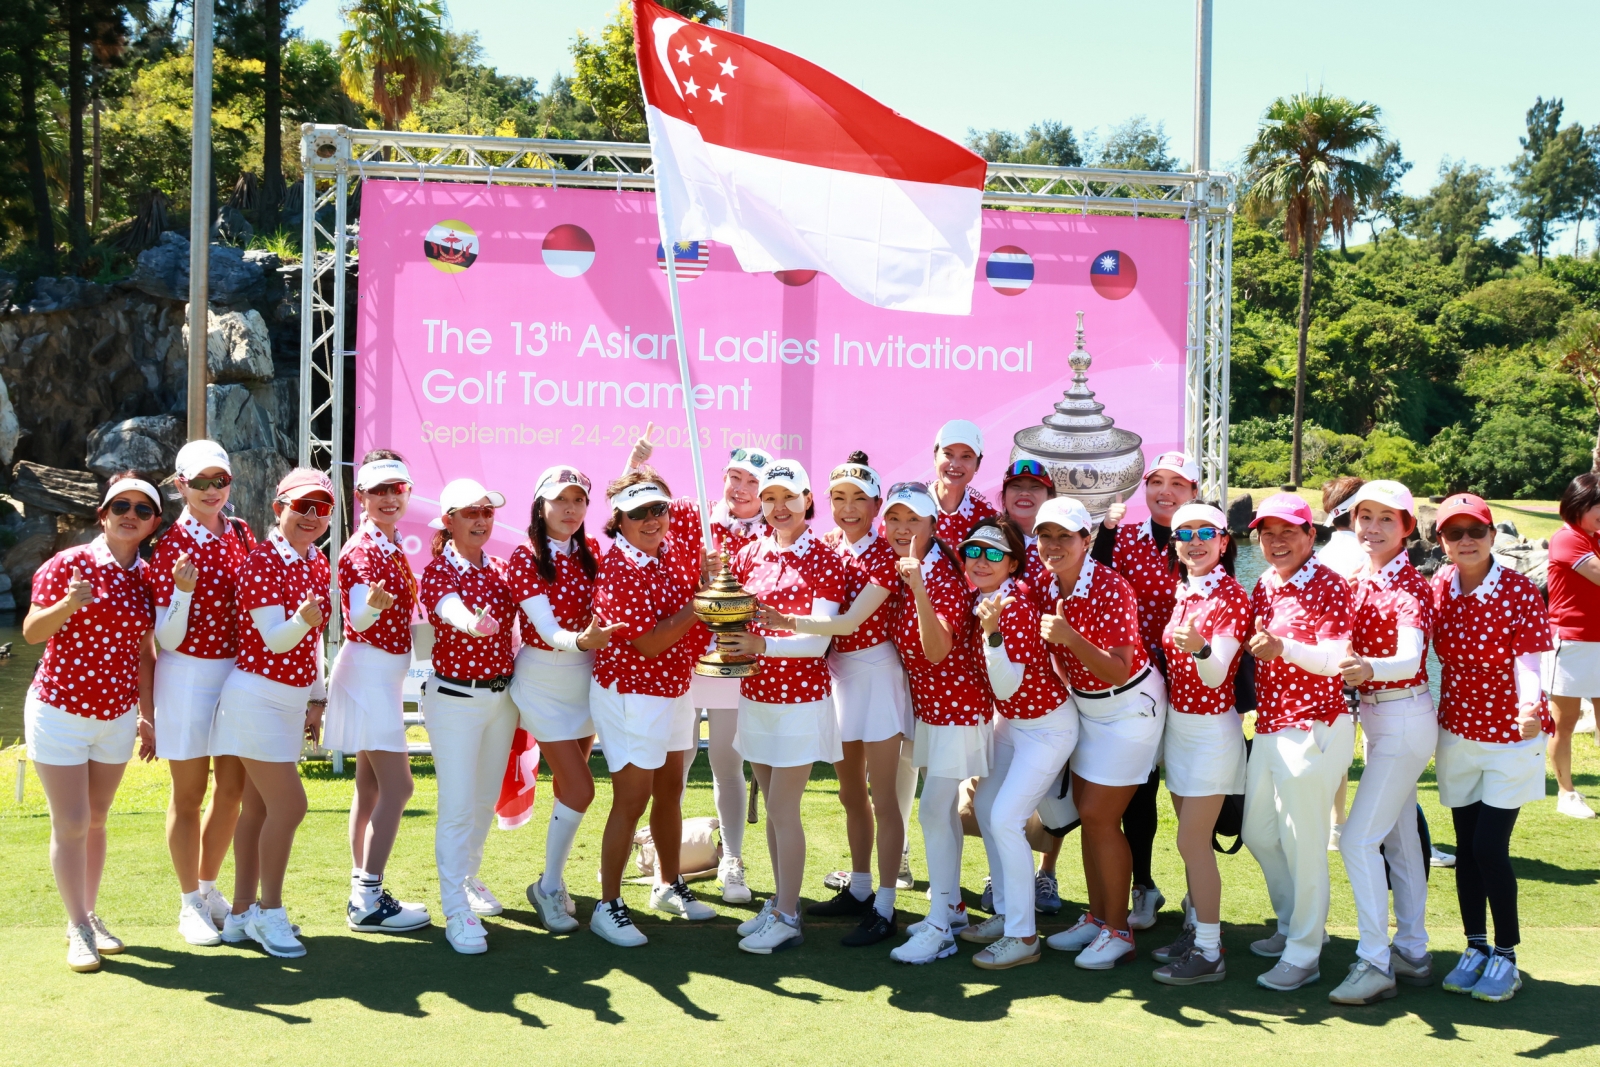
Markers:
(366, 700)
(186, 692)
(551, 691)
(871, 697)
(1500, 775)
(640, 729)
(1572, 669)
(59, 738)
(1204, 754)
(260, 719)
(953, 751)
(787, 735)
(714, 693)
(1119, 736)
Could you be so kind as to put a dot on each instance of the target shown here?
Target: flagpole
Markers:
(669, 249)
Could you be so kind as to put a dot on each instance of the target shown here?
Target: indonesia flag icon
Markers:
(1113, 274)
(1009, 270)
(568, 250)
(690, 258)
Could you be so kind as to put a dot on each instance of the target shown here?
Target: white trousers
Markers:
(941, 837)
(1288, 804)
(1028, 757)
(471, 739)
(1398, 738)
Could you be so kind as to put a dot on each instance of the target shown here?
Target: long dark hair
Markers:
(539, 541)
(1230, 552)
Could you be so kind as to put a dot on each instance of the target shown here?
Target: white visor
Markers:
(638, 495)
(379, 472)
(1199, 513)
(554, 481)
(859, 475)
(787, 473)
(124, 485)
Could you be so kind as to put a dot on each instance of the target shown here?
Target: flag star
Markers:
(717, 94)
(728, 68)
(683, 54)
(707, 44)
(691, 88)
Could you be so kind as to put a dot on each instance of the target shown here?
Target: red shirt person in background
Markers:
(957, 455)
(1572, 668)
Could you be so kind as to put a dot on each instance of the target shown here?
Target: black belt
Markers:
(496, 685)
(1103, 693)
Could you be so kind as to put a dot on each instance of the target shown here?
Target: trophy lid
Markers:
(1078, 427)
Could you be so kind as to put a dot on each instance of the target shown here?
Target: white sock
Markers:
(885, 901)
(788, 920)
(558, 841)
(207, 888)
(860, 884)
(196, 898)
(1208, 939)
(366, 889)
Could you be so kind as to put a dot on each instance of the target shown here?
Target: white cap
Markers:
(380, 472)
(1199, 513)
(787, 473)
(960, 432)
(638, 495)
(913, 495)
(750, 460)
(461, 493)
(1066, 512)
(988, 534)
(555, 480)
(859, 475)
(1385, 492)
(138, 485)
(1180, 463)
(197, 456)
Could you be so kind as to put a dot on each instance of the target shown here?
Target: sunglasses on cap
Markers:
(745, 455)
(320, 508)
(648, 511)
(1205, 533)
(1477, 532)
(214, 481)
(993, 555)
(390, 489)
(570, 477)
(1027, 468)
(143, 512)
(852, 470)
(475, 512)
(906, 488)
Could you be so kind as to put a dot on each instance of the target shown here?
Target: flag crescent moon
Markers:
(662, 30)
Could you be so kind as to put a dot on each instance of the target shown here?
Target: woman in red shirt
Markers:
(957, 455)
(273, 701)
(1572, 669)
(194, 576)
(1489, 631)
(466, 705)
(80, 734)
(552, 576)
(639, 697)
(1090, 618)
(365, 701)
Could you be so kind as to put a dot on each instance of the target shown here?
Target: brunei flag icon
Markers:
(451, 246)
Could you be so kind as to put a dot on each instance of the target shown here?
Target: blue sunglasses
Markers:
(1205, 533)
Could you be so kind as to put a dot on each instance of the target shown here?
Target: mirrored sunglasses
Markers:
(1205, 533)
(217, 481)
(320, 508)
(390, 489)
(993, 555)
(648, 511)
(745, 455)
(476, 512)
(1030, 468)
(144, 512)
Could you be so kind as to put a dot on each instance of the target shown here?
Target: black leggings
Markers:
(1483, 871)
(1139, 827)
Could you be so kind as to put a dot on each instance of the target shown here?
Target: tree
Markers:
(32, 28)
(1048, 143)
(1303, 165)
(605, 75)
(398, 48)
(254, 29)
(1456, 210)
(1579, 348)
(1551, 177)
(1137, 145)
(1387, 201)
(1587, 182)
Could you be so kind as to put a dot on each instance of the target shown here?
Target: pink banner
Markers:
(504, 329)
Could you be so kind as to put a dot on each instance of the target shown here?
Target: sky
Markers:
(1454, 78)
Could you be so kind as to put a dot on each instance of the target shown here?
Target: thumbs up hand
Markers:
(79, 592)
(484, 624)
(1187, 637)
(642, 448)
(1353, 668)
(1055, 629)
(1264, 646)
(310, 611)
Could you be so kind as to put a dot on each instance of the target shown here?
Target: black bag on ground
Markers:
(1230, 820)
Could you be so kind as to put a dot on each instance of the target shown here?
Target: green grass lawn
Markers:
(691, 997)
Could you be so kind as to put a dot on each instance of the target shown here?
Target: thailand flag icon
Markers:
(1113, 274)
(1009, 270)
(568, 250)
(690, 258)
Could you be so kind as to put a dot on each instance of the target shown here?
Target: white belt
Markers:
(1384, 696)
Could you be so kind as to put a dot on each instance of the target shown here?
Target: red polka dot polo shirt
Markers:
(1217, 607)
(870, 561)
(954, 691)
(1477, 636)
(275, 574)
(641, 590)
(1382, 603)
(1311, 607)
(789, 580)
(1041, 691)
(213, 625)
(954, 526)
(1101, 607)
(571, 595)
(1137, 558)
(371, 557)
(456, 653)
(90, 667)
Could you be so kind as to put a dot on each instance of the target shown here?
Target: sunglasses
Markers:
(144, 512)
(1477, 532)
(319, 508)
(390, 489)
(219, 481)
(851, 471)
(993, 555)
(1205, 533)
(745, 455)
(473, 514)
(1027, 468)
(648, 511)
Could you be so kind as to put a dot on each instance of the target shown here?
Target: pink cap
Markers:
(303, 480)
(1461, 504)
(1285, 506)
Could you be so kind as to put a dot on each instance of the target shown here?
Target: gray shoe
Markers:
(1192, 968)
(1286, 977)
(1270, 947)
(1046, 894)
(1365, 984)
(1465, 974)
(1174, 952)
(986, 901)
(1500, 981)
(1412, 970)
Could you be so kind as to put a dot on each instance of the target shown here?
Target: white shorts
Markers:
(186, 692)
(871, 698)
(260, 719)
(1119, 736)
(366, 700)
(551, 691)
(953, 751)
(1500, 775)
(59, 738)
(640, 729)
(1204, 754)
(715, 694)
(787, 735)
(1572, 669)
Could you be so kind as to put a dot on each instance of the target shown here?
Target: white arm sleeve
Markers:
(1526, 669)
(1213, 670)
(319, 688)
(453, 610)
(362, 614)
(543, 615)
(1406, 660)
(1005, 677)
(802, 645)
(1321, 658)
(172, 621)
(279, 632)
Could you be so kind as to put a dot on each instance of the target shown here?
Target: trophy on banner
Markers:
(1088, 456)
(725, 608)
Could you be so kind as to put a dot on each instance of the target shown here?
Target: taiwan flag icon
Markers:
(1113, 274)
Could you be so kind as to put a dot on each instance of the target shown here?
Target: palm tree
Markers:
(1304, 165)
(400, 45)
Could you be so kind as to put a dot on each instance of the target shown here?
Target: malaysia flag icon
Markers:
(568, 250)
(690, 257)
(1113, 274)
(1010, 270)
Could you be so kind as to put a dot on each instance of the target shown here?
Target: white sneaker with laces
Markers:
(987, 932)
(81, 954)
(269, 928)
(1572, 805)
(1077, 937)
(105, 942)
(675, 898)
(775, 935)
(1146, 904)
(730, 872)
(1110, 948)
(612, 922)
(551, 907)
(479, 899)
(465, 933)
(751, 925)
(195, 927)
(1440, 859)
(1008, 952)
(386, 915)
(236, 928)
(926, 944)
(217, 905)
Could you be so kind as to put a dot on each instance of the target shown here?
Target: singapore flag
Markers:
(795, 169)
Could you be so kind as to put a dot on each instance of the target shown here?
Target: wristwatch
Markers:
(1204, 653)
(997, 639)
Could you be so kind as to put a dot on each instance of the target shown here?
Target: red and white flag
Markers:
(795, 169)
